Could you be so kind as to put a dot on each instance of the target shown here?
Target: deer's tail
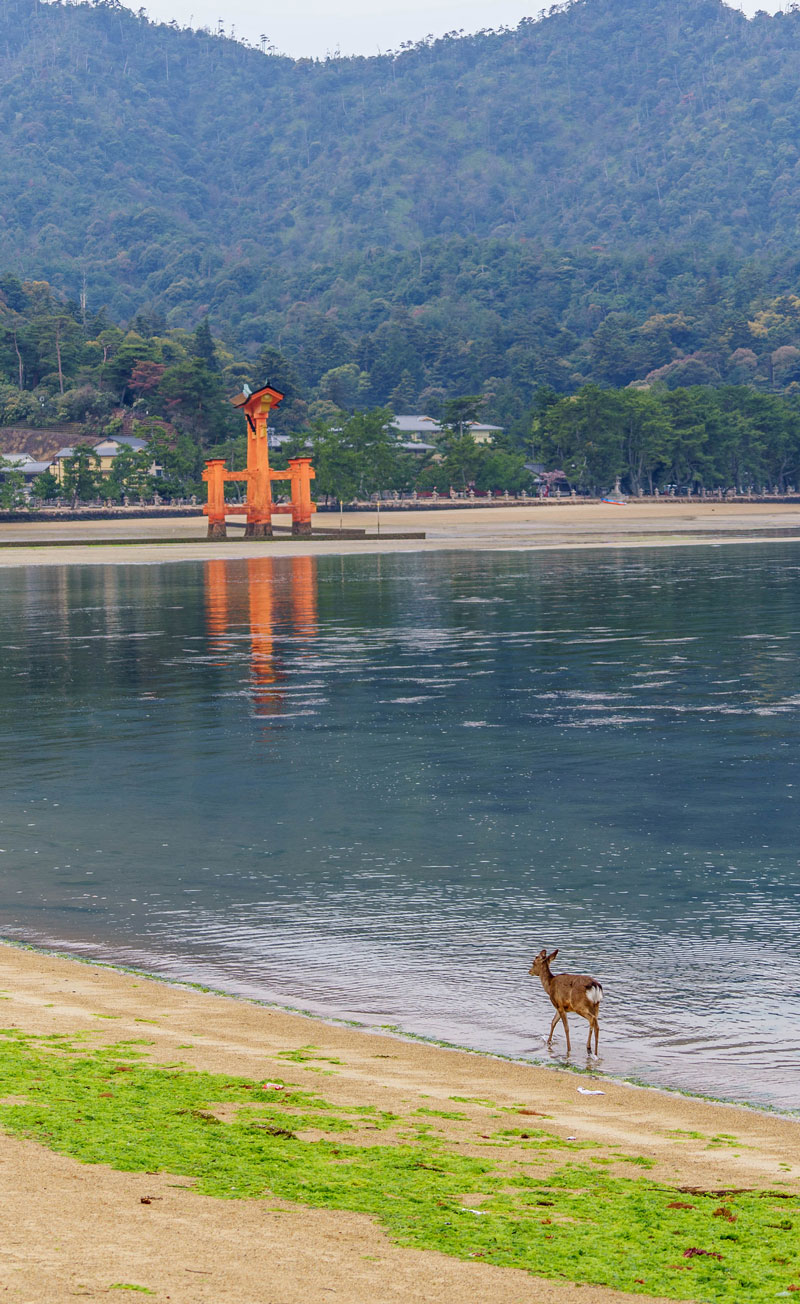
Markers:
(594, 994)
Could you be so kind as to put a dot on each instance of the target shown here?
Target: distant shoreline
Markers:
(424, 503)
(554, 524)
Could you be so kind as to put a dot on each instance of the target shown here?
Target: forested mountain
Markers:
(608, 194)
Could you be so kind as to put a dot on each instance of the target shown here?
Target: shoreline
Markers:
(150, 1229)
(562, 526)
(395, 1032)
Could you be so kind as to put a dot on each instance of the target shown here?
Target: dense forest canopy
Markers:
(68, 377)
(606, 195)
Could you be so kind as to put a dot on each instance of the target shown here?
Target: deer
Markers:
(571, 992)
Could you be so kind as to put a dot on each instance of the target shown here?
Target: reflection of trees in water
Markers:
(262, 598)
(90, 633)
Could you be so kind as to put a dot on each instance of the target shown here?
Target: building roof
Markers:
(409, 424)
(413, 424)
(278, 441)
(18, 459)
(416, 446)
(130, 441)
(63, 452)
(111, 447)
(24, 462)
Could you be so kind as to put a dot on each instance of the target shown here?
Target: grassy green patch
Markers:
(442, 1113)
(641, 1161)
(232, 1137)
(540, 1139)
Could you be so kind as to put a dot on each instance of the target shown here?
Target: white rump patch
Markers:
(594, 994)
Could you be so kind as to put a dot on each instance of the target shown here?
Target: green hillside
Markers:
(607, 193)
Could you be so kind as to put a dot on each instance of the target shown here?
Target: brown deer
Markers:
(569, 992)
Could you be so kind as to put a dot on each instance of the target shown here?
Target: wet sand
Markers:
(543, 525)
(86, 1228)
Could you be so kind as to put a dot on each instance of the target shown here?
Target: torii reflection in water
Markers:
(260, 596)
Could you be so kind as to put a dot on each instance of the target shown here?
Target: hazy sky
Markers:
(319, 27)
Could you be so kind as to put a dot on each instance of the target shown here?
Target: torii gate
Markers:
(260, 507)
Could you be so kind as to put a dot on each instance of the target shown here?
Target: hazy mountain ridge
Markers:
(467, 209)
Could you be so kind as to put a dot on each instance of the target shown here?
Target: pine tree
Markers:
(203, 346)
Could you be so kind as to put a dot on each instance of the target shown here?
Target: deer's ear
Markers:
(552, 956)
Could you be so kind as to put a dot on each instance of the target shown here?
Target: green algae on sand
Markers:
(233, 1137)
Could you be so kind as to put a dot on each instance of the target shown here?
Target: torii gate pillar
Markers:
(256, 408)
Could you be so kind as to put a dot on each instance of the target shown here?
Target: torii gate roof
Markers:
(249, 396)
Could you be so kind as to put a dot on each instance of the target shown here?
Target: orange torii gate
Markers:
(258, 476)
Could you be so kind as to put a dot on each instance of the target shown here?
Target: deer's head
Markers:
(541, 963)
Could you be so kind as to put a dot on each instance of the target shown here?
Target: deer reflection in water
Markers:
(262, 600)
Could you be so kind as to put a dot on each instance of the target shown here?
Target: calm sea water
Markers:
(374, 787)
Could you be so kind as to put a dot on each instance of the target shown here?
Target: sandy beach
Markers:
(90, 1228)
(550, 524)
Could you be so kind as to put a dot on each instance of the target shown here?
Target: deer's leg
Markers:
(591, 1030)
(596, 1032)
(566, 1028)
(556, 1018)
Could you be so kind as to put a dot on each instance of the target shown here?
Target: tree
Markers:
(693, 416)
(345, 386)
(122, 356)
(272, 368)
(130, 473)
(175, 452)
(619, 351)
(58, 341)
(46, 487)
(458, 413)
(80, 476)
(335, 462)
(193, 397)
(499, 469)
(374, 448)
(146, 377)
(203, 347)
(582, 436)
(12, 486)
(645, 430)
(358, 456)
(460, 456)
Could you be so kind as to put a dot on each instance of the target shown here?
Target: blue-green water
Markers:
(374, 787)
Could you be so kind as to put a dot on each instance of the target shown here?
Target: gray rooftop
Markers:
(25, 463)
(409, 424)
(18, 459)
(110, 447)
(130, 441)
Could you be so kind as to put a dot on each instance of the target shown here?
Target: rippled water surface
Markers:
(373, 787)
